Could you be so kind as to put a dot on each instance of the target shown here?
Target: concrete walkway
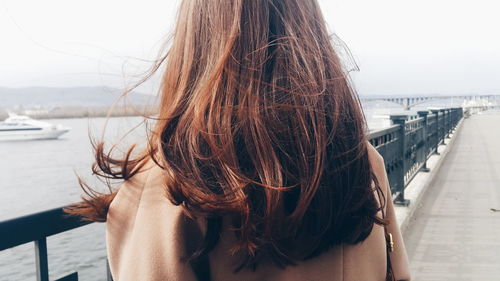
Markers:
(454, 234)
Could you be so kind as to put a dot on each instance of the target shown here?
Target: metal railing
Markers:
(36, 228)
(405, 147)
(408, 144)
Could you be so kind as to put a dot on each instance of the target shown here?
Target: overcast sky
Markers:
(401, 47)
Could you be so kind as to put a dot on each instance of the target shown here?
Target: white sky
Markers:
(401, 47)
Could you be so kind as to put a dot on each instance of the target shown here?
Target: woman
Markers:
(258, 167)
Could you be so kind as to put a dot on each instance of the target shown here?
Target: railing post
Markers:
(448, 123)
(452, 111)
(456, 113)
(42, 265)
(443, 133)
(400, 184)
(433, 133)
(436, 112)
(459, 115)
(423, 114)
(457, 118)
(439, 121)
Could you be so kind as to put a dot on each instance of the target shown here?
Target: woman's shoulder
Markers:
(378, 166)
(145, 232)
(374, 156)
(143, 190)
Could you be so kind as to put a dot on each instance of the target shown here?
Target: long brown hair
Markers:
(258, 123)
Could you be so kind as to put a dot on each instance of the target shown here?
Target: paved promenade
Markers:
(454, 234)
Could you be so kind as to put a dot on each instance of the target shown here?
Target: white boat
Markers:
(20, 127)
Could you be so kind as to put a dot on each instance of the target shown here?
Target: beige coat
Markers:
(147, 236)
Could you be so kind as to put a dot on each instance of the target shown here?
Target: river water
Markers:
(40, 175)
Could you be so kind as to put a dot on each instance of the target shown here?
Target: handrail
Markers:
(405, 147)
(36, 228)
(408, 144)
(379, 133)
(46, 223)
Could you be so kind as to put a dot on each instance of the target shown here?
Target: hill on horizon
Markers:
(51, 97)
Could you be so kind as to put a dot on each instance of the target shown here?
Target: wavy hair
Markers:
(258, 122)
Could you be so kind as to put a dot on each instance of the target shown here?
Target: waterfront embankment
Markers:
(82, 112)
(453, 234)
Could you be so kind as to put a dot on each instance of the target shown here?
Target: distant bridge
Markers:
(410, 101)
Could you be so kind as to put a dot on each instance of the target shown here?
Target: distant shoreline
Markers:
(81, 112)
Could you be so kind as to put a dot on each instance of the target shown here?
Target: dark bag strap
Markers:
(389, 247)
